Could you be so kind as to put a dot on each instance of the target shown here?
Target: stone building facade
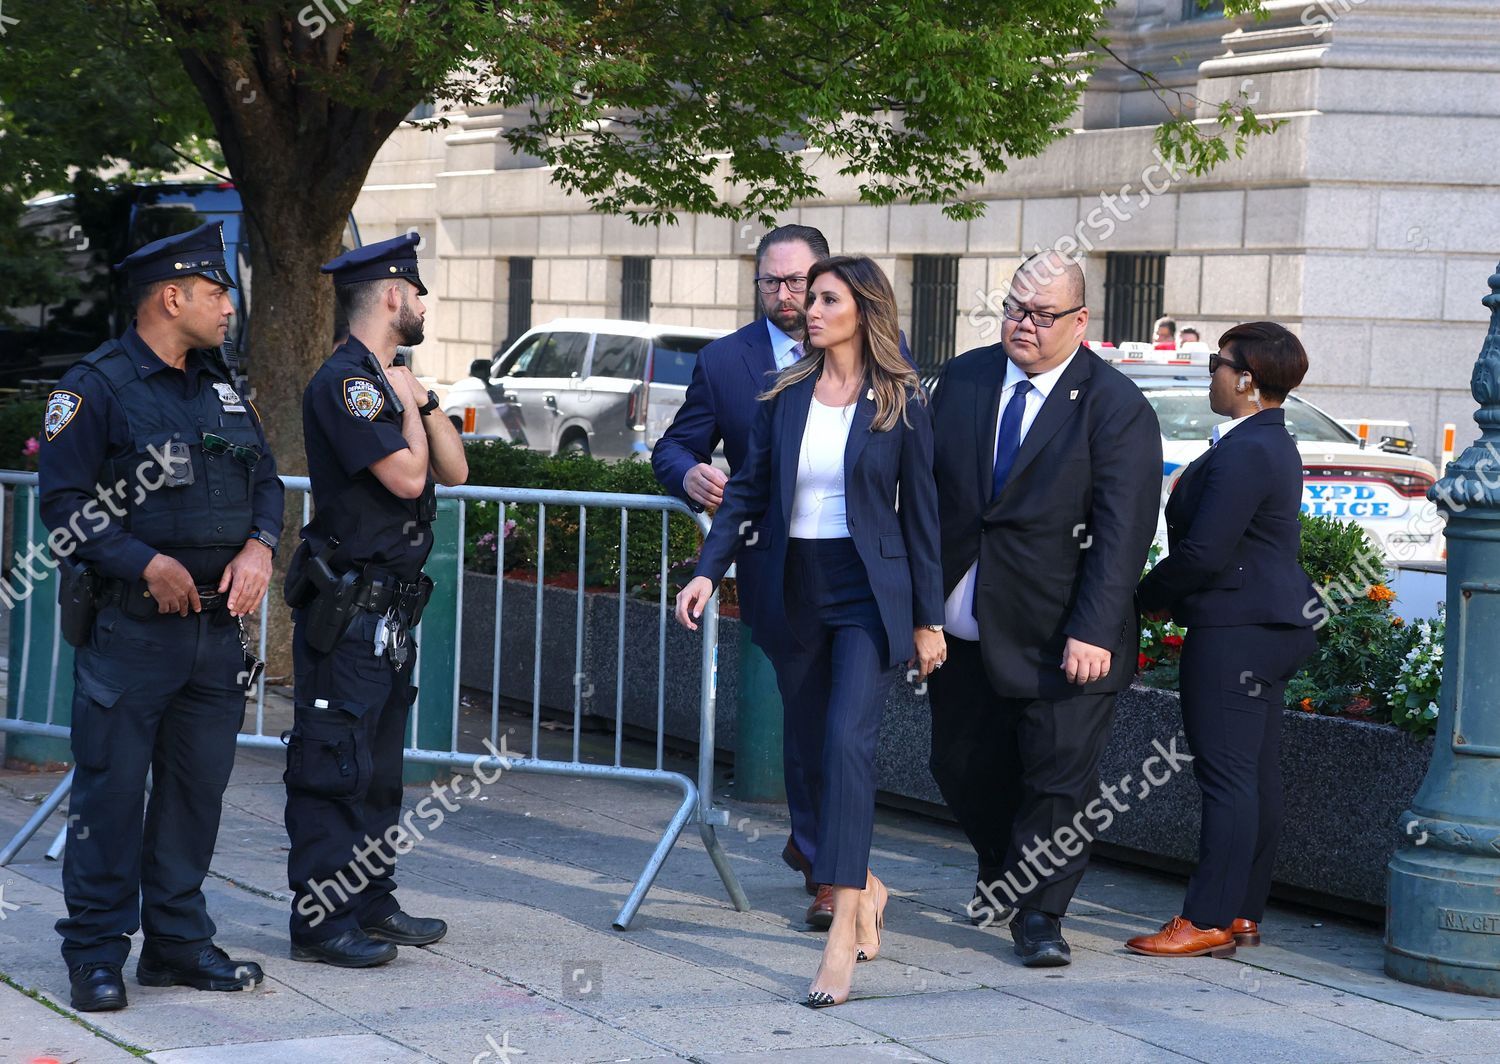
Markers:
(1369, 222)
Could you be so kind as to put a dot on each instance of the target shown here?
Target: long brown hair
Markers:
(894, 379)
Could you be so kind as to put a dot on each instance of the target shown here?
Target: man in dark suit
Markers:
(1048, 464)
(720, 405)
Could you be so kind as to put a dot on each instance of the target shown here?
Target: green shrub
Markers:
(499, 464)
(1369, 663)
(20, 421)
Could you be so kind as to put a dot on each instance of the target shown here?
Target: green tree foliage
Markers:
(86, 90)
(646, 107)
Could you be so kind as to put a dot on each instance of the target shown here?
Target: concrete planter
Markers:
(1346, 782)
(594, 676)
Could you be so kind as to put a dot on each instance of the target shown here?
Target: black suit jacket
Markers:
(1061, 549)
(899, 548)
(1233, 534)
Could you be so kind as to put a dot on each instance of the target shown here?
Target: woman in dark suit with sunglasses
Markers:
(1231, 578)
(852, 592)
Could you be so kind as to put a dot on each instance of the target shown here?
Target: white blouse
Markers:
(818, 502)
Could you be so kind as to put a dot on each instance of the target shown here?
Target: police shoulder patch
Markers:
(362, 397)
(61, 408)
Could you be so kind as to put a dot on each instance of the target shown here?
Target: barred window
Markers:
(1134, 286)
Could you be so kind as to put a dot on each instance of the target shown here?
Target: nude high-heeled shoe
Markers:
(868, 951)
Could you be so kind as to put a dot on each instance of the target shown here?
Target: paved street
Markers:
(530, 871)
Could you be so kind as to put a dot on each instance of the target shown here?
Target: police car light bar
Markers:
(1142, 354)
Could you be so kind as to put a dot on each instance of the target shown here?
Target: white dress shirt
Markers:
(958, 611)
(1223, 429)
(783, 347)
(818, 510)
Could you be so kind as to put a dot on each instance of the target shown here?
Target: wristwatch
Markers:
(265, 538)
(931, 627)
(430, 405)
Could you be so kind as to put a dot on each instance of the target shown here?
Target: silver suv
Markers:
(603, 387)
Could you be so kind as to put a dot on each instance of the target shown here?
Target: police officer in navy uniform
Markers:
(159, 472)
(376, 443)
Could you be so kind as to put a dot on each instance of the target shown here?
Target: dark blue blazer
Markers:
(720, 405)
(899, 547)
(1233, 534)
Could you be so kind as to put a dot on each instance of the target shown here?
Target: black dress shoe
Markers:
(406, 930)
(797, 862)
(352, 949)
(1039, 940)
(97, 987)
(208, 969)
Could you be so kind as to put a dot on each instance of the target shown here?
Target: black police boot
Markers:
(405, 930)
(352, 949)
(96, 987)
(208, 969)
(1039, 940)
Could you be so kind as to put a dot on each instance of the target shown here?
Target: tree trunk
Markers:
(298, 158)
(290, 334)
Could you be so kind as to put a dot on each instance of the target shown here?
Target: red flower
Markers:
(1172, 640)
(1142, 662)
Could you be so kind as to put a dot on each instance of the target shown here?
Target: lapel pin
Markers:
(1073, 394)
(870, 394)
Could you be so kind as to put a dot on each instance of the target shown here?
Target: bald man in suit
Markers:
(1048, 464)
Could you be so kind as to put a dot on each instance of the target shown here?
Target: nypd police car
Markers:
(1379, 485)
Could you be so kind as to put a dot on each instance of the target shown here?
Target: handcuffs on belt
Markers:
(390, 637)
(254, 666)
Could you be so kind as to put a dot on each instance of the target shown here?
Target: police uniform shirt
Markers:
(84, 428)
(348, 425)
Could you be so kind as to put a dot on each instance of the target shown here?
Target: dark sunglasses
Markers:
(249, 456)
(1215, 361)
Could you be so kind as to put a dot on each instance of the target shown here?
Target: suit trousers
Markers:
(1232, 682)
(1017, 773)
(165, 693)
(343, 782)
(834, 681)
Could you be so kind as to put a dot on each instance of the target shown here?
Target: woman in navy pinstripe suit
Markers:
(852, 591)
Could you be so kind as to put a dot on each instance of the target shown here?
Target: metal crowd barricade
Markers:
(696, 804)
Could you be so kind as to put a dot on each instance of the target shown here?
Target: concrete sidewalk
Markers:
(530, 872)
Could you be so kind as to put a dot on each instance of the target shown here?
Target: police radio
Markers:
(373, 361)
(231, 361)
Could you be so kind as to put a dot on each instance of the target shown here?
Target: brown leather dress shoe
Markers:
(820, 912)
(797, 862)
(1179, 938)
(1245, 932)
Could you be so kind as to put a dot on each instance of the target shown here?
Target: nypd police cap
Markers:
(199, 252)
(396, 257)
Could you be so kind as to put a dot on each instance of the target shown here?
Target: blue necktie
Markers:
(1009, 442)
(1006, 448)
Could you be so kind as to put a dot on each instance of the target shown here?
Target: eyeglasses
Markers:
(1042, 319)
(771, 285)
(249, 456)
(1215, 361)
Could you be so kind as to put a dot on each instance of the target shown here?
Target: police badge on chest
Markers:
(229, 398)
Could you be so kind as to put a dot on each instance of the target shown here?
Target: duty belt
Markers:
(133, 597)
(381, 596)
